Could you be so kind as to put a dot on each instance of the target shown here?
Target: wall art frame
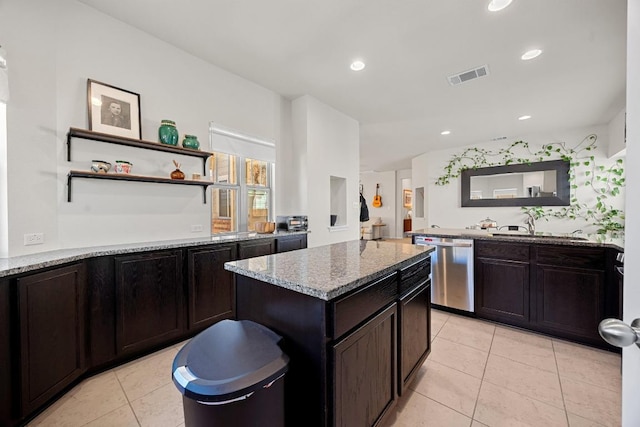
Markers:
(113, 110)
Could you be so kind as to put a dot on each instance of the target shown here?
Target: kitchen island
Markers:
(355, 317)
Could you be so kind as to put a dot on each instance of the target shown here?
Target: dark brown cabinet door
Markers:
(502, 290)
(52, 321)
(291, 243)
(414, 338)
(6, 358)
(150, 301)
(365, 371)
(211, 295)
(570, 302)
(258, 247)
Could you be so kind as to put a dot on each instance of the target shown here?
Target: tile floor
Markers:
(478, 374)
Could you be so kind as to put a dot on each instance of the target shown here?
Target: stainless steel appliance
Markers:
(451, 271)
(292, 223)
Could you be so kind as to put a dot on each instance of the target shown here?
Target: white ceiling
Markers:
(402, 98)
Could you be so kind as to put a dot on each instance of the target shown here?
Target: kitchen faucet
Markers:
(530, 223)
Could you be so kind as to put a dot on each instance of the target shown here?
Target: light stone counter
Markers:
(26, 263)
(514, 236)
(327, 272)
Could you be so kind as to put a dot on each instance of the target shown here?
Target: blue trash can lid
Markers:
(228, 361)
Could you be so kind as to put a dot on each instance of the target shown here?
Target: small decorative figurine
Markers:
(177, 174)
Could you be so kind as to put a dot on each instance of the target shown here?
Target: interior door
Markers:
(631, 310)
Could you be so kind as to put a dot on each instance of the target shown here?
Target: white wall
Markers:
(326, 142)
(443, 202)
(388, 195)
(617, 131)
(631, 310)
(53, 48)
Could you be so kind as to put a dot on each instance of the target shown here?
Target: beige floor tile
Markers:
(524, 379)
(121, 417)
(458, 356)
(498, 407)
(88, 401)
(437, 322)
(577, 421)
(593, 403)
(39, 420)
(448, 386)
(415, 410)
(470, 332)
(145, 375)
(477, 424)
(160, 408)
(524, 347)
(596, 367)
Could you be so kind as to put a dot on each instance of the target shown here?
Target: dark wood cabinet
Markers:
(502, 285)
(561, 290)
(6, 356)
(211, 292)
(414, 333)
(365, 369)
(149, 300)
(291, 243)
(52, 333)
(570, 292)
(101, 294)
(254, 248)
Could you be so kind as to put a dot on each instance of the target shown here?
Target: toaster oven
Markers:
(292, 223)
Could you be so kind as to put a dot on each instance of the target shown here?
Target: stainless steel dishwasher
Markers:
(451, 271)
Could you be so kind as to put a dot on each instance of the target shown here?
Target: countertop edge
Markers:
(27, 263)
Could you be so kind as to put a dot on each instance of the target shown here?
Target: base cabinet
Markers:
(414, 333)
(291, 243)
(150, 300)
(52, 333)
(6, 356)
(211, 292)
(365, 371)
(254, 248)
(559, 290)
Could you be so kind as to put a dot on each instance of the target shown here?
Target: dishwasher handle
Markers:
(450, 245)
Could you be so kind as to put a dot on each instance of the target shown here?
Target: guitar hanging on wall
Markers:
(377, 199)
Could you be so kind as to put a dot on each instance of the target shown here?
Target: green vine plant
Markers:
(605, 182)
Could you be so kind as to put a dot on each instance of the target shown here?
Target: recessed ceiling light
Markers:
(524, 117)
(496, 5)
(357, 65)
(445, 132)
(530, 54)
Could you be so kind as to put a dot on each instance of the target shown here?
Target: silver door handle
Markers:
(449, 245)
(618, 333)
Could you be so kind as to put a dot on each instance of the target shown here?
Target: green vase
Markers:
(191, 141)
(168, 133)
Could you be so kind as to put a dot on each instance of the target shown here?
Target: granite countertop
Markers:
(515, 236)
(26, 263)
(327, 272)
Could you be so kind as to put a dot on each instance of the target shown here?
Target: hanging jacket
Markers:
(364, 210)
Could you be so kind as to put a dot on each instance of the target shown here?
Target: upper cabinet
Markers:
(526, 184)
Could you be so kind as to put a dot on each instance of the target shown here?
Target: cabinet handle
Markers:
(618, 333)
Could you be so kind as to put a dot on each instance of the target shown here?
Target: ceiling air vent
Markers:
(465, 76)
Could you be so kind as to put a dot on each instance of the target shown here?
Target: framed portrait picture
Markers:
(406, 198)
(113, 110)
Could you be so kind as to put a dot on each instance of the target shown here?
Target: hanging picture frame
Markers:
(113, 110)
(406, 198)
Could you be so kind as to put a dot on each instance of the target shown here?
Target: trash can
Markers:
(231, 374)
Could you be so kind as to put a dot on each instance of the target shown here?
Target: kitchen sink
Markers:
(540, 236)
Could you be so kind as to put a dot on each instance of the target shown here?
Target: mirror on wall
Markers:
(534, 184)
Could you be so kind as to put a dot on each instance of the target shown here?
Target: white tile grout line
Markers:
(486, 362)
(126, 397)
(564, 404)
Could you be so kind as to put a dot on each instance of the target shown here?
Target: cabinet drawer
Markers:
(350, 310)
(502, 250)
(571, 256)
(414, 274)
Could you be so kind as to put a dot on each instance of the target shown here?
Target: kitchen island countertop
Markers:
(327, 272)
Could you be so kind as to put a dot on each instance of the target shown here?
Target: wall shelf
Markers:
(136, 178)
(138, 143)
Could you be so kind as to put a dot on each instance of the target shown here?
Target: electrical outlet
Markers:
(33, 239)
(196, 228)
